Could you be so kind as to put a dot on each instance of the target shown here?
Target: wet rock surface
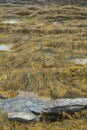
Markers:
(29, 108)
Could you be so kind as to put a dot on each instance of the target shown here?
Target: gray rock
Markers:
(23, 104)
(28, 107)
(79, 61)
(22, 116)
(67, 105)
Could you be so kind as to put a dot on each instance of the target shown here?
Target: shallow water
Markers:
(5, 47)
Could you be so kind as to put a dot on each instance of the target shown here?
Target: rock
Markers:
(66, 105)
(22, 116)
(22, 103)
(79, 61)
(3, 97)
(5, 47)
(29, 107)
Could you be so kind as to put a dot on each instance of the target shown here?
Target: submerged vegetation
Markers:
(44, 40)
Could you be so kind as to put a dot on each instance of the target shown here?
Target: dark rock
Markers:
(3, 97)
